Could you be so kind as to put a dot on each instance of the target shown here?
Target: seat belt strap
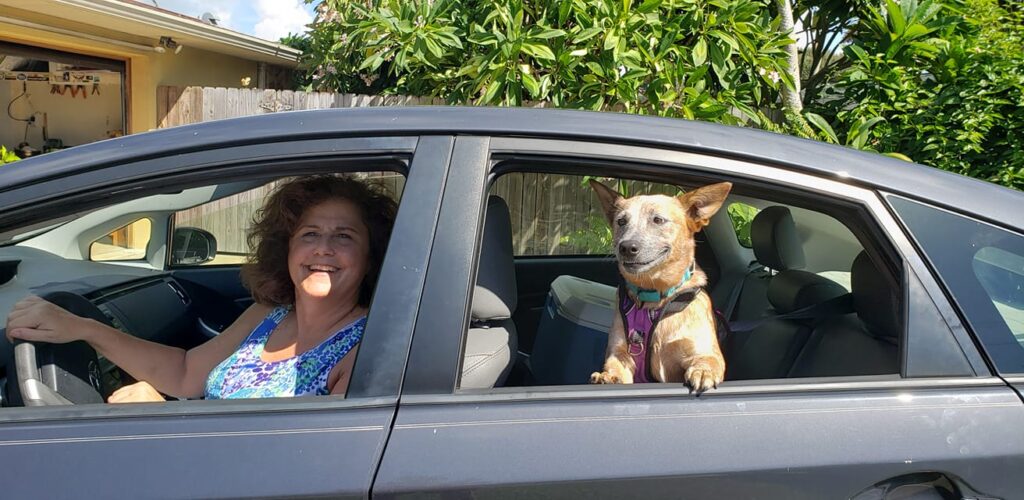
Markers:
(842, 304)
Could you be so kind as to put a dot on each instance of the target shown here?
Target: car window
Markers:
(190, 307)
(983, 267)
(565, 309)
(127, 242)
(227, 220)
(555, 214)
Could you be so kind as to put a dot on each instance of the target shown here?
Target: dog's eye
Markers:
(621, 221)
(658, 220)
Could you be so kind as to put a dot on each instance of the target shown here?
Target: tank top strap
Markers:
(262, 332)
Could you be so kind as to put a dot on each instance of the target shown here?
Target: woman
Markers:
(319, 242)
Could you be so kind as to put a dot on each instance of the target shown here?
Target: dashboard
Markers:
(147, 304)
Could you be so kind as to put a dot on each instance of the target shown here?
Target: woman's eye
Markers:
(621, 221)
(658, 219)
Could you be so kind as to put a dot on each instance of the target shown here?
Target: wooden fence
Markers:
(551, 214)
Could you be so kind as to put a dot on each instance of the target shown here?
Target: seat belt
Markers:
(842, 304)
(737, 290)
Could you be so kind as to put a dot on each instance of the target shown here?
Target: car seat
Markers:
(491, 343)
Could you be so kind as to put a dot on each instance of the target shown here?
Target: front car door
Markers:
(826, 437)
(324, 446)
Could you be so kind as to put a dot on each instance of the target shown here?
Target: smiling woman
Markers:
(319, 242)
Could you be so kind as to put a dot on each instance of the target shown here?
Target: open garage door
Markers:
(54, 99)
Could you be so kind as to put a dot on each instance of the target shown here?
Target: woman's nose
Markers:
(323, 246)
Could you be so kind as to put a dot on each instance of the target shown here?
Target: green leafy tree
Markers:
(714, 60)
(941, 83)
(302, 78)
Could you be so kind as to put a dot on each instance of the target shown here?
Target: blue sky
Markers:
(267, 19)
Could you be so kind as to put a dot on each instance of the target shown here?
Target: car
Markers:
(492, 309)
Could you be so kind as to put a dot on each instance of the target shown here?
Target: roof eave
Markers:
(179, 25)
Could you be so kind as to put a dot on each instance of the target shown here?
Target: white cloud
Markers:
(280, 17)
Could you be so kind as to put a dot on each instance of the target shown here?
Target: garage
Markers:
(55, 99)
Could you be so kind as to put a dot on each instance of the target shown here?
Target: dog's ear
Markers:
(700, 204)
(609, 199)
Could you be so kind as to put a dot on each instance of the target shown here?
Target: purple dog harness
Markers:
(640, 324)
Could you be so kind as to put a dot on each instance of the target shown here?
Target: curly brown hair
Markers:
(266, 272)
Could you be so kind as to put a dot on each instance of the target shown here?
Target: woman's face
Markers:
(329, 253)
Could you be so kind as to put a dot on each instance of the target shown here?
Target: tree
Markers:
(714, 60)
(936, 81)
(939, 82)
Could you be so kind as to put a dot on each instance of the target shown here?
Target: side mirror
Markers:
(191, 246)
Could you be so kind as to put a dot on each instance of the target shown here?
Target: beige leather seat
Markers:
(491, 343)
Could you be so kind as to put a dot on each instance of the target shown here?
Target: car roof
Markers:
(960, 193)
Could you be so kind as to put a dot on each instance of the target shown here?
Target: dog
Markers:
(665, 329)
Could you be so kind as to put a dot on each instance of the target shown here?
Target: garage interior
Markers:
(54, 99)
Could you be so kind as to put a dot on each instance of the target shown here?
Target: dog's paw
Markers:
(701, 378)
(604, 378)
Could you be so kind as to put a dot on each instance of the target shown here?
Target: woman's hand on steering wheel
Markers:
(36, 320)
(139, 392)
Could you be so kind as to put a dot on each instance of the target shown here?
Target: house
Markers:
(77, 71)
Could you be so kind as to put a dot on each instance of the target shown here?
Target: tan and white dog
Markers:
(654, 244)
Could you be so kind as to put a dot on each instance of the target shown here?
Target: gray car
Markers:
(492, 309)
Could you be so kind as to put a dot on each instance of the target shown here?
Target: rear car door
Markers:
(811, 438)
(321, 446)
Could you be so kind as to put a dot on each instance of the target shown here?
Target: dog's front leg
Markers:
(618, 369)
(705, 373)
(618, 365)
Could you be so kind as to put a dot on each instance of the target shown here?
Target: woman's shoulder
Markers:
(256, 313)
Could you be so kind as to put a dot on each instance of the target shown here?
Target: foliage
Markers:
(302, 78)
(939, 82)
(7, 156)
(596, 238)
(714, 60)
(742, 215)
(936, 81)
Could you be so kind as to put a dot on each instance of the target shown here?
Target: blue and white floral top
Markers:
(245, 375)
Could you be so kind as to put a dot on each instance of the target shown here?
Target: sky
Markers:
(267, 19)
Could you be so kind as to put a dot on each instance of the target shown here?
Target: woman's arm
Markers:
(341, 374)
(170, 370)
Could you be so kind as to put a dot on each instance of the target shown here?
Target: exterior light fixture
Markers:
(167, 43)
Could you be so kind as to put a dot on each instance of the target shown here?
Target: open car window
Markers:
(765, 258)
(215, 233)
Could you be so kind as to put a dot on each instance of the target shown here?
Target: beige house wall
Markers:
(146, 69)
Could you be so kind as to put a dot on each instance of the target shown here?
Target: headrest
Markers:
(874, 298)
(495, 294)
(792, 290)
(775, 241)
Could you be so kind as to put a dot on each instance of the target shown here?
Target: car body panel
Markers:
(318, 451)
(666, 443)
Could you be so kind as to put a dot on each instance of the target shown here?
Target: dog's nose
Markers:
(629, 248)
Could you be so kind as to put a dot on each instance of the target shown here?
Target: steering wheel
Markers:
(61, 374)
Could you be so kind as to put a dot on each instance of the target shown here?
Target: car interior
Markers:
(539, 313)
(104, 265)
(797, 260)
